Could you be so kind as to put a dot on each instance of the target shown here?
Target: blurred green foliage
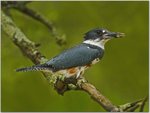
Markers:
(122, 75)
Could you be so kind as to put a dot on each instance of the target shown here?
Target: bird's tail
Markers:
(40, 67)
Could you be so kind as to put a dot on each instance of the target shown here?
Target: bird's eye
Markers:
(101, 32)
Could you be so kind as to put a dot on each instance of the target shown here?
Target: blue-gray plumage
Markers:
(75, 60)
(79, 55)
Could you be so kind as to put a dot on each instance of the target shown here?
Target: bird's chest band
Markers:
(77, 71)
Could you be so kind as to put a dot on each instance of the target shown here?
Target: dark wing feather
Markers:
(80, 55)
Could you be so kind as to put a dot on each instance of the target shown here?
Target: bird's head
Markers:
(100, 36)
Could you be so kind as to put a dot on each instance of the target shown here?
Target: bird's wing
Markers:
(80, 55)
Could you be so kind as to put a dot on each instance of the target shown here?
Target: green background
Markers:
(122, 75)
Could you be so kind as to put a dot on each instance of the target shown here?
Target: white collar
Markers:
(96, 43)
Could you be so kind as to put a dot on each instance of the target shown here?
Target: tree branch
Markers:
(98, 97)
(21, 6)
(61, 84)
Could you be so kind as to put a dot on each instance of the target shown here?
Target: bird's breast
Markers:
(95, 61)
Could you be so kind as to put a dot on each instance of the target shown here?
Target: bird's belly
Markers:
(73, 72)
(76, 71)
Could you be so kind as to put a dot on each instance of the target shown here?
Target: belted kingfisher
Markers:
(74, 61)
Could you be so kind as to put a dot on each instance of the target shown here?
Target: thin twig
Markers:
(143, 104)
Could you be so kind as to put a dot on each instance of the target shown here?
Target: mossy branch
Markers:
(60, 83)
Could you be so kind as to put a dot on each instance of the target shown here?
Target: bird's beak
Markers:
(115, 34)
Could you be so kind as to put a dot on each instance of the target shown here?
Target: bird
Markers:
(74, 61)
